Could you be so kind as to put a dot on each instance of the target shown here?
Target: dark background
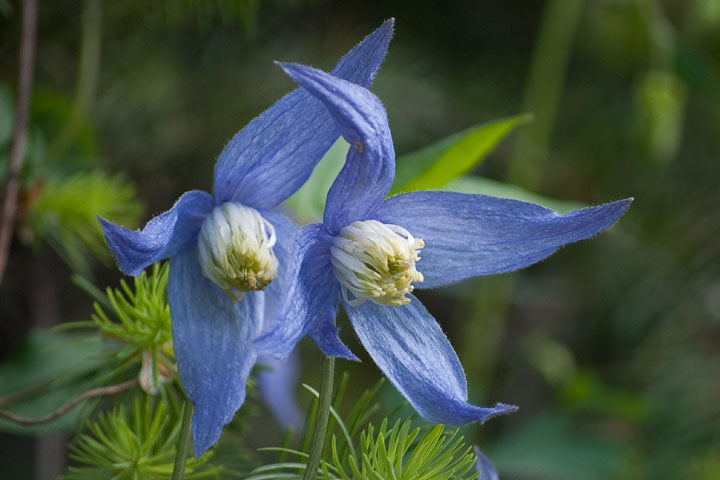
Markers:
(611, 348)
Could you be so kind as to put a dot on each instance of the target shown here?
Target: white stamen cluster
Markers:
(236, 249)
(376, 261)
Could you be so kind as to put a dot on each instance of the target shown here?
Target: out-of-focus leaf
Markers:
(6, 115)
(308, 203)
(64, 214)
(486, 186)
(5, 8)
(64, 363)
(551, 447)
(586, 392)
(454, 156)
(660, 99)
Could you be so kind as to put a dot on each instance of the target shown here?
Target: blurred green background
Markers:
(611, 348)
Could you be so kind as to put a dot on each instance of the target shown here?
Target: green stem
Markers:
(184, 442)
(88, 73)
(321, 421)
(544, 90)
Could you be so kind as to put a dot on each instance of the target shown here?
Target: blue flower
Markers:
(229, 251)
(372, 251)
(484, 466)
(277, 385)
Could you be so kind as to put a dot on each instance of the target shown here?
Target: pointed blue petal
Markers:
(413, 352)
(269, 159)
(162, 237)
(326, 335)
(469, 235)
(277, 386)
(484, 466)
(212, 340)
(369, 169)
(310, 300)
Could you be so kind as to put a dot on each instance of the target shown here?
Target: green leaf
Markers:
(134, 441)
(486, 186)
(308, 203)
(552, 446)
(454, 156)
(6, 115)
(62, 362)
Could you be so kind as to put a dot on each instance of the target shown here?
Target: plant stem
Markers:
(183, 445)
(27, 62)
(321, 421)
(88, 73)
(544, 90)
(94, 393)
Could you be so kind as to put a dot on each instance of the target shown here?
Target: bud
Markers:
(376, 261)
(235, 249)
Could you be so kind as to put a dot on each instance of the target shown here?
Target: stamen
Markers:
(235, 249)
(376, 261)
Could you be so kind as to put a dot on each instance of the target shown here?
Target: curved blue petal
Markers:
(310, 302)
(285, 231)
(277, 386)
(326, 335)
(484, 466)
(162, 237)
(212, 340)
(369, 169)
(413, 352)
(468, 235)
(269, 159)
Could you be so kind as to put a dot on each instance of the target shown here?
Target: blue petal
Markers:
(468, 235)
(285, 232)
(369, 169)
(162, 237)
(212, 340)
(269, 159)
(277, 386)
(326, 336)
(310, 302)
(413, 352)
(484, 466)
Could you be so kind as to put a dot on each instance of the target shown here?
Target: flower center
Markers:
(376, 261)
(235, 249)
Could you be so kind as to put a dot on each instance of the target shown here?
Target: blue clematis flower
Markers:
(277, 386)
(229, 251)
(484, 466)
(372, 252)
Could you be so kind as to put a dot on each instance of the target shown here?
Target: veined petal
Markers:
(269, 159)
(413, 352)
(369, 169)
(310, 300)
(468, 235)
(285, 231)
(162, 237)
(212, 340)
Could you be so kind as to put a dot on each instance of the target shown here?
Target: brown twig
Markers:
(96, 392)
(25, 80)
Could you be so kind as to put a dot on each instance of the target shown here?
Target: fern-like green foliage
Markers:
(396, 453)
(388, 454)
(64, 214)
(135, 444)
(140, 318)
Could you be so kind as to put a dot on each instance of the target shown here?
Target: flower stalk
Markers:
(321, 420)
(184, 441)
